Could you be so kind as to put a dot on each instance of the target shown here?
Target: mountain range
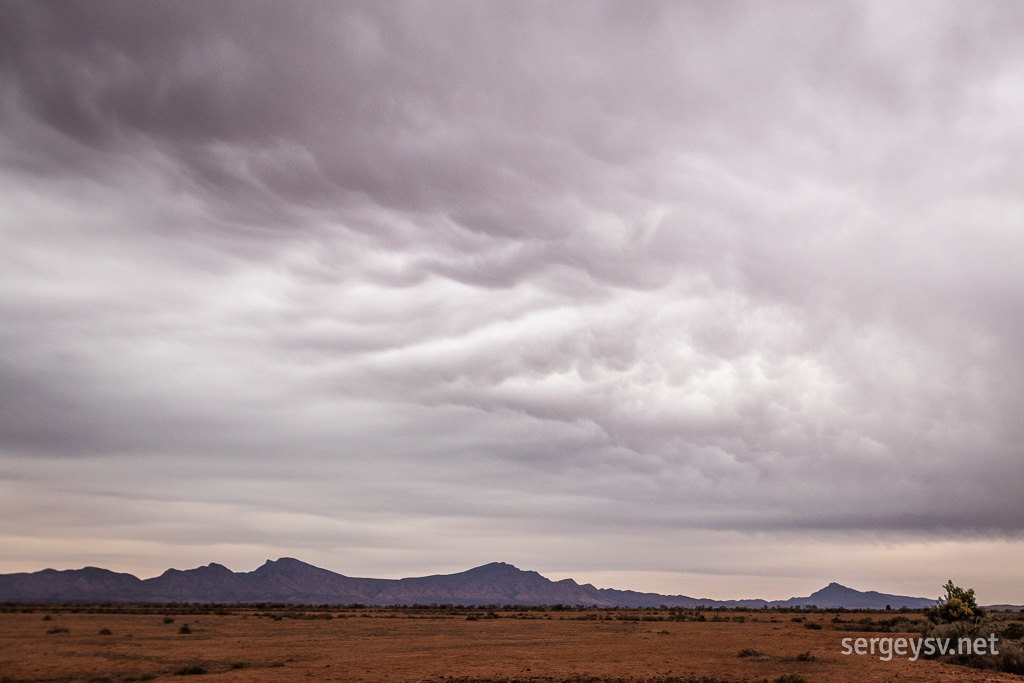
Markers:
(290, 581)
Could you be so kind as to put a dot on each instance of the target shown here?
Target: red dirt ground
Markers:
(402, 646)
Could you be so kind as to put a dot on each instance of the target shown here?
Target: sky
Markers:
(719, 299)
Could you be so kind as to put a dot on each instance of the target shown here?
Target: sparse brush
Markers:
(750, 652)
(105, 632)
(813, 625)
(185, 629)
(805, 657)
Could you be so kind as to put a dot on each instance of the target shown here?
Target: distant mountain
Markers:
(290, 581)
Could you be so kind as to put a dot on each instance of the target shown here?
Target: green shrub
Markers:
(957, 605)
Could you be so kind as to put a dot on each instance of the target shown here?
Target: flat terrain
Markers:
(396, 646)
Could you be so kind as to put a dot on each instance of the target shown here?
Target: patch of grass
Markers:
(238, 665)
(813, 625)
(750, 652)
(144, 676)
(805, 657)
(58, 630)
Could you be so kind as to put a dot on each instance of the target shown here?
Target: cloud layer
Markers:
(413, 283)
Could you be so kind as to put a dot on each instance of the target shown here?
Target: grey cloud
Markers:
(570, 268)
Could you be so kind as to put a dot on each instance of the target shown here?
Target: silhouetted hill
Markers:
(288, 580)
(88, 583)
(836, 595)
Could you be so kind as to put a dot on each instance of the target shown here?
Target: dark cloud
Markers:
(365, 273)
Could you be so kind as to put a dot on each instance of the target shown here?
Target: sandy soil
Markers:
(403, 646)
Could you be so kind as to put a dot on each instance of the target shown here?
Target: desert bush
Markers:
(894, 625)
(168, 620)
(189, 670)
(805, 657)
(47, 617)
(58, 630)
(813, 625)
(105, 632)
(790, 678)
(238, 665)
(185, 629)
(749, 652)
(1013, 630)
(1010, 657)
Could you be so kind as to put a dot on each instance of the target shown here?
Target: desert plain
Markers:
(403, 645)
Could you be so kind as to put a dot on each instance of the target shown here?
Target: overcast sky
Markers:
(722, 299)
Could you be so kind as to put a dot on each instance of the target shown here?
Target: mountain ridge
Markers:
(288, 580)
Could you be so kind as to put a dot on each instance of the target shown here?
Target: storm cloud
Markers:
(592, 288)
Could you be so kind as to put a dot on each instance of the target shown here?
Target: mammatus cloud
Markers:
(389, 283)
